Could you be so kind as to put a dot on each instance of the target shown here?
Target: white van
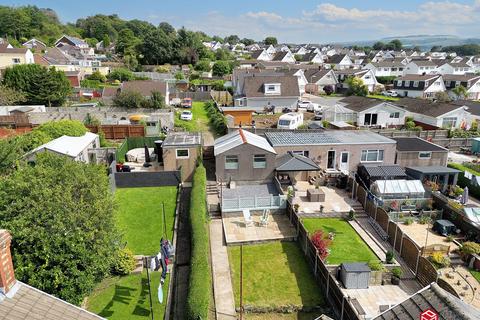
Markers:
(291, 120)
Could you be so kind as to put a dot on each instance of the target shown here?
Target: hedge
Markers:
(217, 119)
(200, 285)
(465, 182)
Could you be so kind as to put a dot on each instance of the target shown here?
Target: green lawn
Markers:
(200, 119)
(127, 297)
(475, 274)
(347, 245)
(274, 274)
(378, 96)
(139, 216)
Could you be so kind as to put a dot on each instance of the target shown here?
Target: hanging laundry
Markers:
(160, 293)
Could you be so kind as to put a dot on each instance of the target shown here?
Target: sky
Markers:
(295, 21)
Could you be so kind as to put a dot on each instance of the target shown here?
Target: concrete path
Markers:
(222, 281)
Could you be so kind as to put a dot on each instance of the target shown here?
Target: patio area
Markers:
(236, 232)
(418, 233)
(252, 197)
(336, 200)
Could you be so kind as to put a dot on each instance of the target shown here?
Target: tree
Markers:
(106, 41)
(395, 45)
(62, 222)
(10, 97)
(328, 89)
(126, 42)
(179, 76)
(203, 65)
(167, 28)
(158, 47)
(436, 48)
(270, 41)
(97, 76)
(91, 42)
(356, 87)
(442, 96)
(39, 84)
(321, 243)
(56, 129)
(223, 54)
(157, 100)
(121, 74)
(378, 45)
(221, 68)
(129, 99)
(460, 92)
(247, 42)
(232, 39)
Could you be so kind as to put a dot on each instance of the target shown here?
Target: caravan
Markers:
(291, 120)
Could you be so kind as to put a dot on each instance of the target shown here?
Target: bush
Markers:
(56, 129)
(200, 285)
(424, 220)
(389, 256)
(321, 243)
(121, 74)
(97, 76)
(328, 89)
(351, 215)
(408, 221)
(217, 119)
(376, 265)
(440, 260)
(464, 182)
(397, 272)
(124, 262)
(470, 248)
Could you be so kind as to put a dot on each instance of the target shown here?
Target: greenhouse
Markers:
(398, 189)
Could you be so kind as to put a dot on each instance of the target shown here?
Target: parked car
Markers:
(186, 115)
(390, 93)
(307, 105)
(187, 103)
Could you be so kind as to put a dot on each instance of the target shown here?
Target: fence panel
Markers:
(382, 219)
(410, 253)
(426, 272)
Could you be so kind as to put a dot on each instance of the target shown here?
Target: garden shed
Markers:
(398, 189)
(355, 275)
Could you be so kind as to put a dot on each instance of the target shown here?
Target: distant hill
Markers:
(425, 42)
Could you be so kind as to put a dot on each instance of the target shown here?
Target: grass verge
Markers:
(347, 245)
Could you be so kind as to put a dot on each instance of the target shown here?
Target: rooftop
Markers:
(433, 169)
(239, 137)
(186, 139)
(70, 146)
(417, 144)
(295, 162)
(427, 107)
(384, 171)
(290, 138)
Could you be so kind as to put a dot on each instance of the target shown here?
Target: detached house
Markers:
(367, 76)
(340, 62)
(13, 56)
(312, 57)
(319, 79)
(72, 41)
(263, 91)
(284, 56)
(420, 67)
(35, 44)
(469, 81)
(261, 54)
(419, 86)
(386, 68)
(455, 68)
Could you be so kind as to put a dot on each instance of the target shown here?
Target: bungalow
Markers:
(284, 56)
(420, 67)
(419, 86)
(417, 152)
(433, 115)
(455, 68)
(300, 50)
(35, 44)
(471, 82)
(270, 50)
(473, 108)
(367, 76)
(13, 56)
(18, 300)
(340, 62)
(74, 147)
(336, 150)
(242, 156)
(283, 48)
(374, 112)
(317, 80)
(386, 68)
(252, 47)
(72, 41)
(263, 91)
(312, 57)
(261, 54)
(302, 80)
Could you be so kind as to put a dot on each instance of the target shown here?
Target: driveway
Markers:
(323, 101)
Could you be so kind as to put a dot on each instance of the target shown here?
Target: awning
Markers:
(295, 162)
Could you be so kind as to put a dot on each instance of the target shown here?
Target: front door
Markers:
(331, 159)
(344, 157)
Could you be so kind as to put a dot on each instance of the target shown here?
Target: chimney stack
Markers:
(7, 275)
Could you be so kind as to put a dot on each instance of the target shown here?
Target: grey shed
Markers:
(355, 275)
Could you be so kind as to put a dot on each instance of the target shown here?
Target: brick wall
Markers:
(7, 275)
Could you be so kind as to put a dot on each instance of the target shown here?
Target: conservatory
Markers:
(398, 189)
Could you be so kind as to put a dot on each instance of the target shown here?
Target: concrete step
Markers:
(138, 264)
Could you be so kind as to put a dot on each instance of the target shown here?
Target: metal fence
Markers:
(254, 203)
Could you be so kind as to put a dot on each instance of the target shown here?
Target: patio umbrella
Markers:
(147, 154)
(465, 195)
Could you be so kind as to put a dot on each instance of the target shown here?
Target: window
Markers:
(271, 88)
(305, 153)
(372, 156)
(259, 161)
(370, 119)
(415, 84)
(400, 69)
(424, 155)
(395, 115)
(407, 83)
(399, 83)
(182, 154)
(231, 162)
(15, 60)
(449, 122)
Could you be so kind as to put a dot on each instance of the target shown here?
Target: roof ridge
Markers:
(242, 135)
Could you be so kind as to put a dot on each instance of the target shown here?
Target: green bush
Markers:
(389, 256)
(464, 182)
(200, 285)
(124, 262)
(397, 272)
(424, 220)
(470, 248)
(376, 265)
(440, 260)
(56, 129)
(217, 119)
(408, 221)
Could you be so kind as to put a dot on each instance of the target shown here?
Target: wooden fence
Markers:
(341, 304)
(119, 131)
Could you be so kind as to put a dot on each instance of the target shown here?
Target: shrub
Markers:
(440, 260)
(450, 238)
(321, 243)
(351, 215)
(390, 256)
(328, 89)
(470, 248)
(124, 262)
(121, 74)
(97, 76)
(56, 129)
(424, 220)
(376, 265)
(200, 286)
(397, 272)
(216, 118)
(408, 221)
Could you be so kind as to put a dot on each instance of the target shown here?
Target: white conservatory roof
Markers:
(398, 186)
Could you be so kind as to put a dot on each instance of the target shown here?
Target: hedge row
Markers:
(465, 182)
(200, 286)
(217, 119)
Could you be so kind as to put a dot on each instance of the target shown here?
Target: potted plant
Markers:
(351, 215)
(396, 274)
(321, 208)
(389, 257)
(296, 206)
